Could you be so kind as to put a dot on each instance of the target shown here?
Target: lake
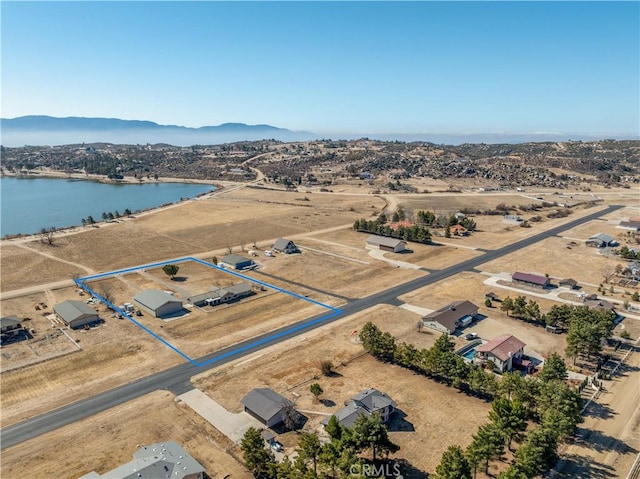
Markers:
(30, 204)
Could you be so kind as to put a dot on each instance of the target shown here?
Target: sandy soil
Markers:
(153, 418)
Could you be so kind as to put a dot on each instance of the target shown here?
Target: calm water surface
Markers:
(30, 204)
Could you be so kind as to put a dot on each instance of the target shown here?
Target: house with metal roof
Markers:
(450, 317)
(502, 351)
(158, 303)
(532, 280)
(601, 240)
(216, 296)
(237, 262)
(286, 246)
(368, 402)
(156, 461)
(266, 405)
(75, 314)
(385, 243)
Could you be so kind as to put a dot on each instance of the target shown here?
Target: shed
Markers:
(237, 262)
(9, 323)
(601, 240)
(158, 303)
(385, 243)
(531, 280)
(568, 283)
(284, 245)
(266, 405)
(75, 314)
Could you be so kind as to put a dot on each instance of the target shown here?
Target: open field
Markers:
(552, 257)
(22, 268)
(449, 413)
(334, 266)
(109, 439)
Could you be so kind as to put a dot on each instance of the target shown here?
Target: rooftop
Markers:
(70, 310)
(265, 402)
(384, 241)
(450, 314)
(530, 278)
(155, 298)
(502, 346)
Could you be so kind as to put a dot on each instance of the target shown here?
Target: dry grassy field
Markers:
(334, 266)
(429, 411)
(109, 439)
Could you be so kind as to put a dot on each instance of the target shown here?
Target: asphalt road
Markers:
(177, 379)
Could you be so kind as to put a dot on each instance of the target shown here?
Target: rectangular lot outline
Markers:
(333, 311)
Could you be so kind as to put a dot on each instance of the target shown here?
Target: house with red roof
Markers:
(504, 351)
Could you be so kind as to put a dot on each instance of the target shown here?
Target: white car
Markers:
(276, 446)
(268, 253)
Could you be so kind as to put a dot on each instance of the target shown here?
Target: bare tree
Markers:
(47, 236)
(229, 250)
(291, 417)
(608, 272)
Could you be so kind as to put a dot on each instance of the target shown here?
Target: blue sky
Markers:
(444, 67)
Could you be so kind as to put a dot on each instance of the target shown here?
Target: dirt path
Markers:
(609, 439)
(55, 258)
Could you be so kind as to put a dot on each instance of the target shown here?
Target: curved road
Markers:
(177, 379)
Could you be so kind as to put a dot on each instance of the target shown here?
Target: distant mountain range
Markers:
(40, 130)
(48, 130)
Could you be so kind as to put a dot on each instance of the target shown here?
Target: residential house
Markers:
(161, 460)
(75, 314)
(237, 262)
(458, 230)
(450, 317)
(368, 402)
(532, 280)
(217, 296)
(502, 351)
(601, 240)
(158, 303)
(10, 327)
(630, 225)
(266, 405)
(283, 245)
(385, 243)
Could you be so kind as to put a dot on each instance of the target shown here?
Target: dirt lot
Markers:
(153, 418)
(448, 414)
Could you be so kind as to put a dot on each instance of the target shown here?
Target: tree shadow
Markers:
(409, 471)
(601, 411)
(179, 279)
(601, 442)
(578, 467)
(327, 402)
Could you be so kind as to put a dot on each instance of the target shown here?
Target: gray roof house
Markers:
(75, 314)
(156, 461)
(266, 405)
(601, 240)
(448, 318)
(158, 303)
(284, 245)
(9, 323)
(368, 402)
(217, 296)
(630, 225)
(385, 243)
(237, 262)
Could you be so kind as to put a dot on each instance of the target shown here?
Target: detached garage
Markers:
(75, 314)
(237, 262)
(385, 243)
(158, 303)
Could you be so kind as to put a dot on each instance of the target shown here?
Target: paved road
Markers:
(177, 379)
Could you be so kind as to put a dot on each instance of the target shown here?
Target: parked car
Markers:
(470, 336)
(276, 446)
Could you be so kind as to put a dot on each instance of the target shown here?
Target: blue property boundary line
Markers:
(81, 282)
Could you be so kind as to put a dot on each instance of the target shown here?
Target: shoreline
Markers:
(74, 229)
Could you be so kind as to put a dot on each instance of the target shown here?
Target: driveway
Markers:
(230, 424)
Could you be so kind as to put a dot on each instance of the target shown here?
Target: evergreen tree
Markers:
(554, 368)
(309, 449)
(257, 458)
(509, 417)
(453, 465)
(370, 433)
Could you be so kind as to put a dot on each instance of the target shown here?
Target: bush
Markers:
(326, 367)
(625, 334)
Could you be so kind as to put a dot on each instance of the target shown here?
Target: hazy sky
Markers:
(453, 67)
